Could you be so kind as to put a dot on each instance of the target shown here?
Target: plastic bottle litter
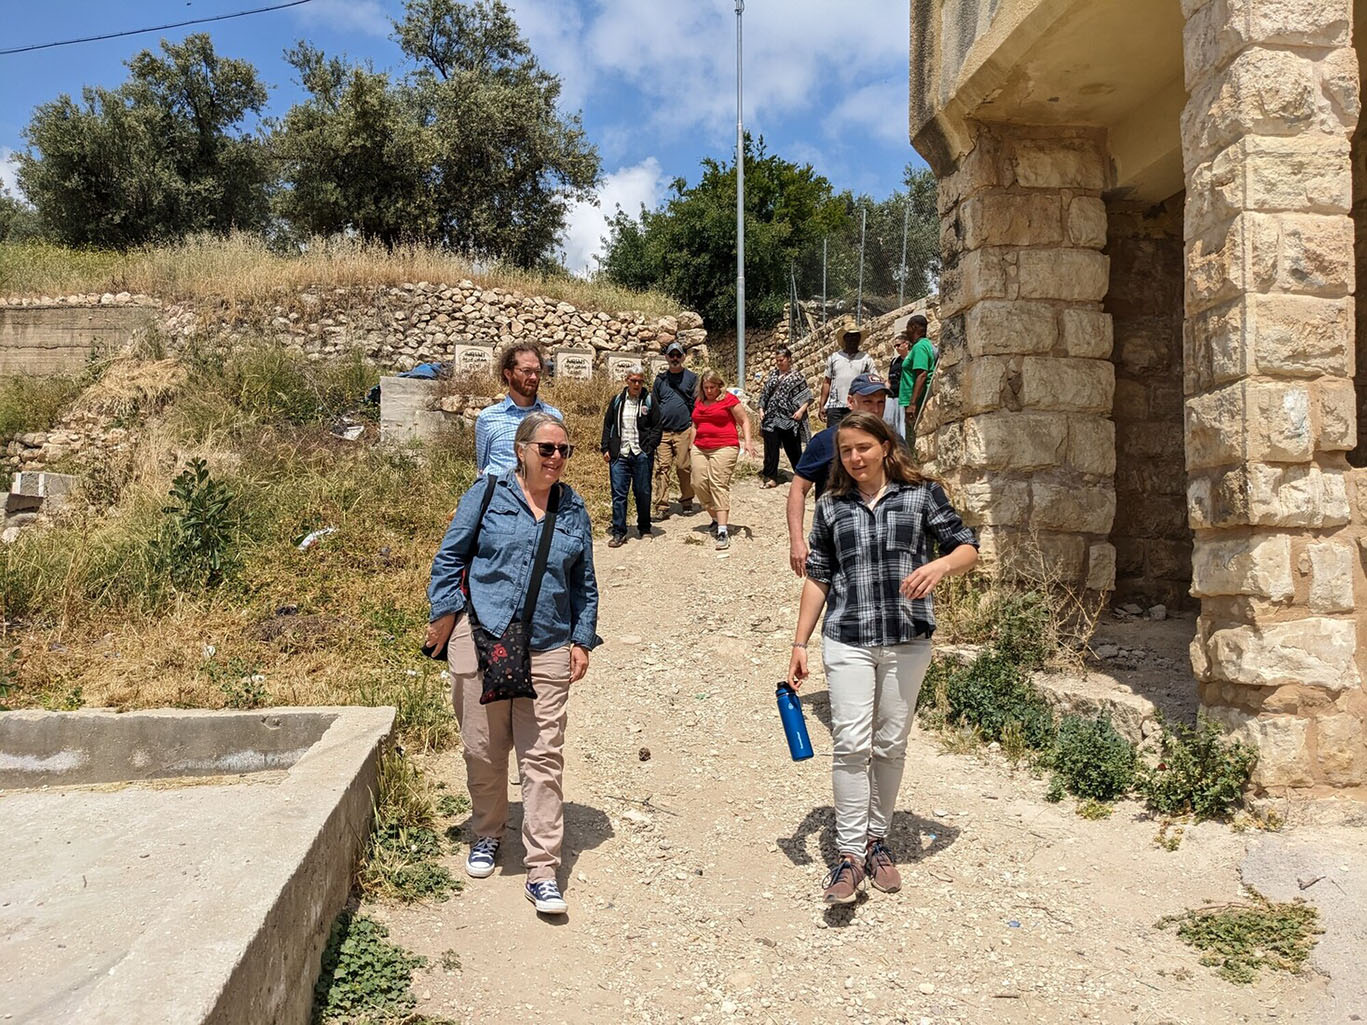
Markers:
(312, 539)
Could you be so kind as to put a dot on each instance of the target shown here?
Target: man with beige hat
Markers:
(842, 367)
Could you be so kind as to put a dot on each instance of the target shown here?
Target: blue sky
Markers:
(655, 79)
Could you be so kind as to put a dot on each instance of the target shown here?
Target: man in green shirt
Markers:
(917, 370)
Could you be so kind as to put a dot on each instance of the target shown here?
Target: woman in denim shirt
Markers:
(563, 631)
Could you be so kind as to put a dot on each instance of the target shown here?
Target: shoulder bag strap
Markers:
(542, 551)
(473, 546)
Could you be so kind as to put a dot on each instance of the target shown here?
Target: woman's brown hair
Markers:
(897, 463)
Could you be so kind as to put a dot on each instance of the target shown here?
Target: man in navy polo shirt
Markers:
(868, 394)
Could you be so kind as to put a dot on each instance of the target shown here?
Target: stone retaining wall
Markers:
(402, 326)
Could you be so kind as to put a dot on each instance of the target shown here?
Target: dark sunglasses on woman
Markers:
(550, 448)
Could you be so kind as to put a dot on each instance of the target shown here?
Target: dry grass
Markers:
(89, 607)
(242, 272)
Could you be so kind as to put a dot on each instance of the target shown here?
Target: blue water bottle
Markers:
(794, 726)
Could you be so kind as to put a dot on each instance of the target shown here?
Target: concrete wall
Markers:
(1151, 537)
(48, 340)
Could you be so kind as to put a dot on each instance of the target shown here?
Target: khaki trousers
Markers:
(713, 469)
(535, 728)
(673, 454)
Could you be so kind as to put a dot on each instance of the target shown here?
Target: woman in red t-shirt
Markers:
(716, 445)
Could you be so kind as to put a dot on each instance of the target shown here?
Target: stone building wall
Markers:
(1020, 424)
(1151, 536)
(1271, 410)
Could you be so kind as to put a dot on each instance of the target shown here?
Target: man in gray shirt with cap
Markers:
(675, 390)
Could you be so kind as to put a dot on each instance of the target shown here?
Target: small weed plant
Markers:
(242, 684)
(365, 978)
(197, 538)
(1239, 940)
(1198, 772)
(400, 863)
(1091, 760)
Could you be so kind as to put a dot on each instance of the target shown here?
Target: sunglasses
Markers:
(673, 356)
(546, 449)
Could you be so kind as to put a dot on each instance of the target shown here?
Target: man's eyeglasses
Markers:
(546, 449)
(528, 371)
(673, 356)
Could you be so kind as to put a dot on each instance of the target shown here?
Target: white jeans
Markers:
(873, 698)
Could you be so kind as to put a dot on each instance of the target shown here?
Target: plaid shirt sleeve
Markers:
(943, 523)
(821, 546)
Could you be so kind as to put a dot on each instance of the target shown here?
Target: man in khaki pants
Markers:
(675, 390)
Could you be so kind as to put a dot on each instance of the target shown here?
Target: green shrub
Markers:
(1022, 627)
(993, 694)
(1198, 771)
(198, 537)
(364, 977)
(1090, 760)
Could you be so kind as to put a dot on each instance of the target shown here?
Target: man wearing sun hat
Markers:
(842, 367)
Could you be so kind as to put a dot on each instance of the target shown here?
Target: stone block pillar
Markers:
(1268, 379)
(1019, 425)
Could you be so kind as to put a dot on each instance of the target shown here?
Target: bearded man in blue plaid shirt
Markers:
(522, 367)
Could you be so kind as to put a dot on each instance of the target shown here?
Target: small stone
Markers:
(1158, 613)
(1131, 609)
(927, 988)
(1106, 651)
(643, 754)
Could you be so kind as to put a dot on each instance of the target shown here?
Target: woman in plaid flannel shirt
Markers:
(870, 564)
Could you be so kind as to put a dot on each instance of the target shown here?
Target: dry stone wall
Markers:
(403, 326)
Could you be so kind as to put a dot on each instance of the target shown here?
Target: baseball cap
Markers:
(869, 384)
(674, 347)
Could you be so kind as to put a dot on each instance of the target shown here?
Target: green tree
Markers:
(469, 150)
(688, 247)
(18, 221)
(164, 155)
(883, 246)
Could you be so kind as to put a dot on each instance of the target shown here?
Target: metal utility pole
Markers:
(902, 281)
(859, 306)
(824, 240)
(740, 207)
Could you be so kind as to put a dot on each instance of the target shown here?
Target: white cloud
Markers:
(9, 170)
(872, 110)
(799, 55)
(368, 16)
(586, 224)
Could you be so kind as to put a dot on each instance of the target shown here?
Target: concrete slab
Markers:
(182, 896)
(408, 410)
(1329, 869)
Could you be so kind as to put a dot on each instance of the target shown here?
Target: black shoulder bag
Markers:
(506, 660)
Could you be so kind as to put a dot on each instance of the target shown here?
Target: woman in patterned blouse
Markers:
(783, 403)
(871, 565)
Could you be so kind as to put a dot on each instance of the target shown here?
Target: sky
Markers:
(655, 80)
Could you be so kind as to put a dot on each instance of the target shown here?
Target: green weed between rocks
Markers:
(1239, 940)
(1091, 761)
(29, 404)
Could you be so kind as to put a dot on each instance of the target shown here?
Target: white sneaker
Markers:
(483, 853)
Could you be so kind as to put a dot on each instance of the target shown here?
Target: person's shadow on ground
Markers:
(913, 838)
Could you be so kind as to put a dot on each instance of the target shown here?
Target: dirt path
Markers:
(693, 877)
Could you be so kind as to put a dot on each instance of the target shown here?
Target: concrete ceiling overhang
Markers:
(1115, 64)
